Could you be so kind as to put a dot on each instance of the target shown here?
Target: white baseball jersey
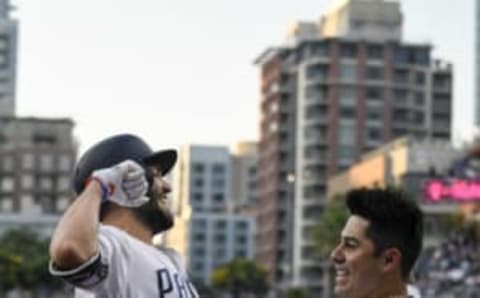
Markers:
(126, 267)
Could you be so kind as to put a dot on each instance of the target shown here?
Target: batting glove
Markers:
(124, 184)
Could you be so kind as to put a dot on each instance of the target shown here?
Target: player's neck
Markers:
(390, 289)
(125, 220)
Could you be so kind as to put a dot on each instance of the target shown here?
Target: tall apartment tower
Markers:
(8, 59)
(477, 64)
(217, 232)
(336, 89)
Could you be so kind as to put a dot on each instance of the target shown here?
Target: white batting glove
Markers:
(124, 183)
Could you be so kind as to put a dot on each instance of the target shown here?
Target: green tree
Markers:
(296, 293)
(327, 231)
(24, 260)
(9, 264)
(240, 277)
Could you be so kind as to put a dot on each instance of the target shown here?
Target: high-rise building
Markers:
(37, 158)
(8, 59)
(244, 175)
(218, 229)
(477, 64)
(334, 90)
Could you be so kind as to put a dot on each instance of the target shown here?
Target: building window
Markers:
(348, 72)
(8, 184)
(374, 73)
(419, 99)
(400, 95)
(422, 56)
(64, 163)
(241, 226)
(46, 183)
(240, 253)
(218, 168)
(373, 93)
(317, 71)
(198, 182)
(320, 49)
(62, 203)
(218, 183)
(27, 181)
(374, 134)
(241, 239)
(417, 118)
(218, 198)
(400, 56)
(46, 162)
(198, 266)
(348, 50)
(197, 198)
(315, 112)
(6, 204)
(199, 252)
(315, 152)
(199, 223)
(199, 237)
(8, 163)
(375, 52)
(400, 76)
(374, 113)
(400, 115)
(346, 132)
(28, 161)
(197, 168)
(29, 206)
(347, 113)
(220, 239)
(347, 96)
(315, 92)
(346, 154)
(63, 184)
(420, 78)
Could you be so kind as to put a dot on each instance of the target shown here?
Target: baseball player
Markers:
(102, 244)
(379, 244)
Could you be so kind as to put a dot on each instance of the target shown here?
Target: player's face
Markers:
(357, 270)
(156, 213)
(160, 191)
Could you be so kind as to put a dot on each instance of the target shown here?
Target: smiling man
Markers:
(379, 244)
(103, 243)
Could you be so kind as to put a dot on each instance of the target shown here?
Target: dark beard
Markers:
(155, 219)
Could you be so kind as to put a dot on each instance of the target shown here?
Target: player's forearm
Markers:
(75, 238)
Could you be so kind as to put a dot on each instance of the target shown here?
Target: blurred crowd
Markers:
(451, 269)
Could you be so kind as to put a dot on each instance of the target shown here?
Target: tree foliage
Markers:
(24, 260)
(327, 232)
(296, 293)
(240, 277)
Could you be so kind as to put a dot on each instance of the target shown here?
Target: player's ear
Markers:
(391, 259)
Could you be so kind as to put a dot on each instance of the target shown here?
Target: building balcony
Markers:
(317, 79)
(318, 99)
(321, 119)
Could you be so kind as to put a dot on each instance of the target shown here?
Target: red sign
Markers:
(458, 190)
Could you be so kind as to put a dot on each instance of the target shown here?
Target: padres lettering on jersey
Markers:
(127, 267)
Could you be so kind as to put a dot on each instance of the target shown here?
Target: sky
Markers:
(181, 72)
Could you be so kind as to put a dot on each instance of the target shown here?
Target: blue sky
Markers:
(181, 71)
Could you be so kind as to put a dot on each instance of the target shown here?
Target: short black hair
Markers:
(395, 221)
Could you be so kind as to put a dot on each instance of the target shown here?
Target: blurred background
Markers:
(277, 109)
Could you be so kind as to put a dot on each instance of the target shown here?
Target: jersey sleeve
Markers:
(105, 270)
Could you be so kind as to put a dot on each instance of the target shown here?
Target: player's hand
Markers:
(124, 183)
